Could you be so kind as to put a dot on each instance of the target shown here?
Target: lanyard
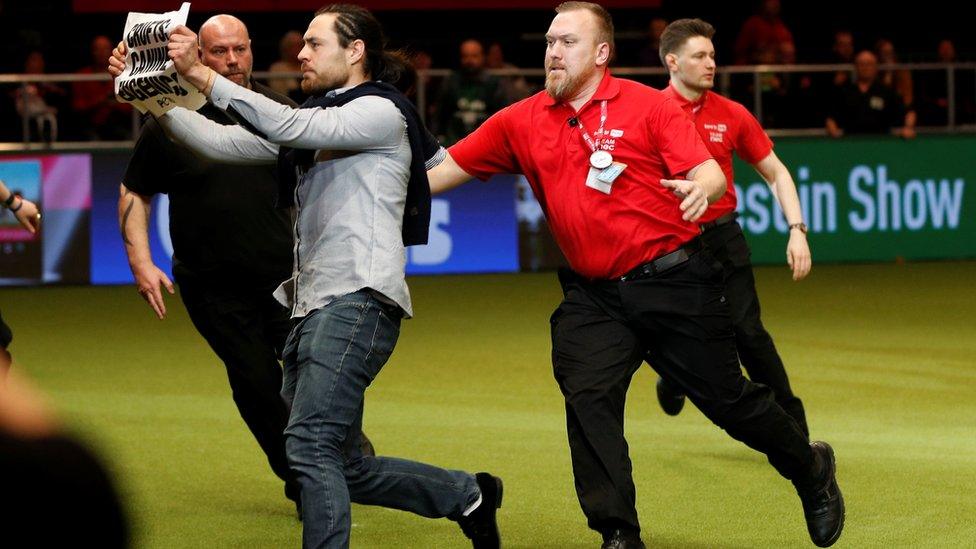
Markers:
(594, 145)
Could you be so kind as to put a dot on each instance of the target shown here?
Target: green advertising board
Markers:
(868, 199)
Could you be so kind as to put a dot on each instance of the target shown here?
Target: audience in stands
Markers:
(468, 96)
(100, 116)
(867, 105)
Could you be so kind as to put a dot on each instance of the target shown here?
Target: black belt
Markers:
(724, 220)
(665, 262)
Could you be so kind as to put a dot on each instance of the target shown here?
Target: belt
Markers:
(724, 220)
(665, 262)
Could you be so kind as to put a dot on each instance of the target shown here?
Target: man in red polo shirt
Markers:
(623, 177)
(727, 127)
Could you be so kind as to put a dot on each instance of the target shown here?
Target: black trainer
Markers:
(823, 504)
(481, 526)
(622, 539)
(669, 397)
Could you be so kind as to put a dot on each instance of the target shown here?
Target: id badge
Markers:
(593, 181)
(602, 180)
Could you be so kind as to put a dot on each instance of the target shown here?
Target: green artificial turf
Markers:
(884, 357)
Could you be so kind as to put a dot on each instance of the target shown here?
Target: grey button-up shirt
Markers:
(350, 203)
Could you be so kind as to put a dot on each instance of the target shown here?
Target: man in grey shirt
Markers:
(347, 293)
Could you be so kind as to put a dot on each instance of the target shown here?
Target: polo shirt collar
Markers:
(608, 89)
(686, 104)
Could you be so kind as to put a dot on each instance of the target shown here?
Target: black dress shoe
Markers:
(669, 397)
(481, 526)
(823, 504)
(623, 539)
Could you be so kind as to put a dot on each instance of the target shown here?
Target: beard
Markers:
(561, 85)
(333, 78)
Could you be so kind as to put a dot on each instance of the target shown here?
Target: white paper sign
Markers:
(150, 81)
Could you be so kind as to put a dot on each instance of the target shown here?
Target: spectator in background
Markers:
(898, 79)
(101, 117)
(288, 47)
(648, 55)
(421, 61)
(933, 91)
(468, 96)
(514, 87)
(790, 99)
(842, 52)
(763, 31)
(867, 105)
(39, 102)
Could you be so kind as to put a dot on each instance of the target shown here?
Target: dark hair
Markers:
(677, 33)
(603, 20)
(357, 23)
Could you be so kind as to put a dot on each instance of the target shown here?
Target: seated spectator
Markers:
(933, 91)
(39, 102)
(899, 79)
(101, 117)
(288, 48)
(650, 55)
(513, 88)
(763, 31)
(842, 52)
(867, 105)
(468, 96)
(790, 99)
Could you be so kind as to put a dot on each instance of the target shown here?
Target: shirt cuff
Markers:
(220, 94)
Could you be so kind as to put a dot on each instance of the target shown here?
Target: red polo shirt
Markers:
(602, 236)
(726, 127)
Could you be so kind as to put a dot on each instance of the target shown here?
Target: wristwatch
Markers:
(802, 226)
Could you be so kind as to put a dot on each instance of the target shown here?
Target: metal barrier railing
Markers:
(423, 94)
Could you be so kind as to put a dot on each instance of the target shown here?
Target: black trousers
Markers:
(247, 329)
(601, 333)
(757, 353)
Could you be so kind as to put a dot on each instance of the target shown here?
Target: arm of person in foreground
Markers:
(134, 211)
(704, 184)
(446, 175)
(24, 210)
(781, 182)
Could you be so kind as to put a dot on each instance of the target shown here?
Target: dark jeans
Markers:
(679, 318)
(331, 357)
(757, 353)
(247, 329)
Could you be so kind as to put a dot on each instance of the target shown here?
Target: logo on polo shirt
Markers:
(716, 132)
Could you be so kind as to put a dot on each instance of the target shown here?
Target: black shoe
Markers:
(622, 539)
(669, 397)
(293, 491)
(481, 526)
(823, 504)
(366, 446)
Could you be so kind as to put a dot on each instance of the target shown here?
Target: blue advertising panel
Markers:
(473, 229)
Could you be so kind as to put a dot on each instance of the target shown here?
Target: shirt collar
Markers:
(608, 89)
(686, 104)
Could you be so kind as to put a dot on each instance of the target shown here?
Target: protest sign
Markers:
(150, 81)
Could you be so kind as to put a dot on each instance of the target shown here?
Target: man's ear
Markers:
(603, 53)
(356, 51)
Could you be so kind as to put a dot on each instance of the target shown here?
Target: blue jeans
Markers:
(330, 358)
